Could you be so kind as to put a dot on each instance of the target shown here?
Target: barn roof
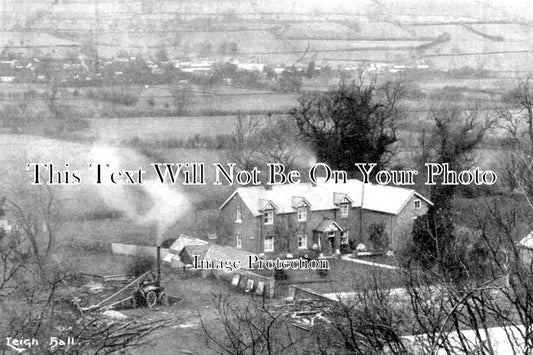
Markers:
(218, 252)
(184, 240)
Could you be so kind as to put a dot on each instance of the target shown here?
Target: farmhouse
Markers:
(294, 218)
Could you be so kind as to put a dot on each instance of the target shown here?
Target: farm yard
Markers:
(101, 91)
(186, 334)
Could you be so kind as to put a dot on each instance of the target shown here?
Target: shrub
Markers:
(167, 243)
(116, 97)
(378, 236)
(279, 274)
(345, 249)
(141, 264)
(309, 254)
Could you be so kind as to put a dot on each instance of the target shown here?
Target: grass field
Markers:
(344, 276)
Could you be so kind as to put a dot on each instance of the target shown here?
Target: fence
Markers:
(131, 249)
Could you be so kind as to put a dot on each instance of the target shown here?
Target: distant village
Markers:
(67, 64)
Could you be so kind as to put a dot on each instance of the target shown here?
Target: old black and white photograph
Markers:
(249, 177)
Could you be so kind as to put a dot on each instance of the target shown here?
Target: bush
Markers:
(345, 249)
(323, 272)
(309, 254)
(378, 236)
(167, 243)
(279, 274)
(141, 264)
(116, 97)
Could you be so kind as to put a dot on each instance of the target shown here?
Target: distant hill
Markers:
(489, 34)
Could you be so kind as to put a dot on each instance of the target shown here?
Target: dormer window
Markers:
(268, 217)
(302, 214)
(238, 214)
(345, 208)
(344, 202)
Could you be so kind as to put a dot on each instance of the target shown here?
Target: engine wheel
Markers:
(163, 299)
(151, 299)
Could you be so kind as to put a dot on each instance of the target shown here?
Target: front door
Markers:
(331, 241)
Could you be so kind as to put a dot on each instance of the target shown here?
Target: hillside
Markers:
(490, 35)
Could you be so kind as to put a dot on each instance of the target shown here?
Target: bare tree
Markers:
(252, 328)
(279, 144)
(36, 282)
(245, 145)
(455, 135)
(517, 117)
(36, 213)
(257, 142)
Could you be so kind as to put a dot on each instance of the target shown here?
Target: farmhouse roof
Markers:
(327, 196)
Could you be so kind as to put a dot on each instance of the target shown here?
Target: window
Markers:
(268, 217)
(344, 238)
(239, 215)
(269, 243)
(238, 238)
(418, 204)
(302, 241)
(344, 210)
(302, 214)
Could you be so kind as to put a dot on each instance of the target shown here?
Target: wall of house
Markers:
(288, 225)
(357, 223)
(349, 223)
(404, 221)
(373, 217)
(248, 228)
